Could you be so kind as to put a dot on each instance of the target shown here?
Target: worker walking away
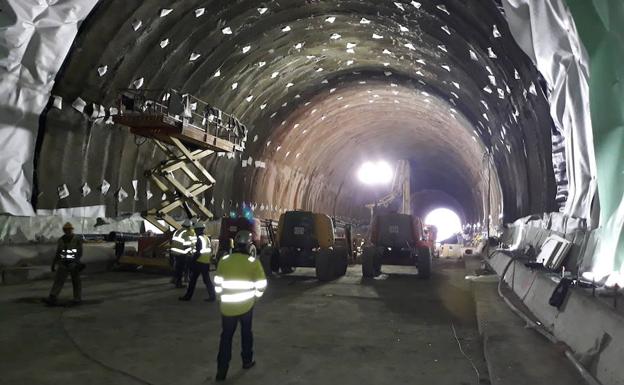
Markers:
(239, 282)
(182, 245)
(200, 264)
(67, 257)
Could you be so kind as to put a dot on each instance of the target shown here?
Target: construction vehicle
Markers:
(343, 237)
(306, 239)
(186, 130)
(232, 225)
(152, 250)
(397, 239)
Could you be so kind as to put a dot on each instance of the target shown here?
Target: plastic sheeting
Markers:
(41, 229)
(35, 37)
(600, 27)
(546, 31)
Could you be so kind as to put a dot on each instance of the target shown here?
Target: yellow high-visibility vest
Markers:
(183, 241)
(239, 281)
(69, 249)
(205, 251)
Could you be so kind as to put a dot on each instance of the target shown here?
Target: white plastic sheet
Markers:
(35, 37)
(48, 226)
(545, 30)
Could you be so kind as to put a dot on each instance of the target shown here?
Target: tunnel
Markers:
(504, 114)
(322, 87)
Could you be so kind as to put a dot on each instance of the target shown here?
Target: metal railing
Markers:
(185, 108)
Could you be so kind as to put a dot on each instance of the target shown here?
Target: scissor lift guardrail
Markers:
(186, 129)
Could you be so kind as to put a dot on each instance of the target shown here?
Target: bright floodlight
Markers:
(372, 173)
(447, 222)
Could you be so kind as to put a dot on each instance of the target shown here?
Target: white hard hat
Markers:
(187, 223)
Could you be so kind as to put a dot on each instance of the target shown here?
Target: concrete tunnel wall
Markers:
(322, 86)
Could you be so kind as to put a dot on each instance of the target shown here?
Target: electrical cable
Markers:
(95, 360)
(464, 354)
(587, 376)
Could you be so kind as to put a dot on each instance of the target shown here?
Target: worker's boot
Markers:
(221, 374)
(249, 365)
(185, 298)
(50, 300)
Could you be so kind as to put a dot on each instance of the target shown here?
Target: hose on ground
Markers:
(95, 360)
(461, 349)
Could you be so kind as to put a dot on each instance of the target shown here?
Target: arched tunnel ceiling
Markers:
(371, 120)
(272, 63)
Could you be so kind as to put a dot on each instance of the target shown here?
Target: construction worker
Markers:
(182, 246)
(239, 282)
(200, 264)
(68, 254)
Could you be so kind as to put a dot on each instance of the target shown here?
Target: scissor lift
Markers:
(186, 129)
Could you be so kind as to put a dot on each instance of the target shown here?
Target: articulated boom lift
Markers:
(396, 237)
(400, 188)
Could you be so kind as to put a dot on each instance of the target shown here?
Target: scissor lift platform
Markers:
(164, 127)
(186, 129)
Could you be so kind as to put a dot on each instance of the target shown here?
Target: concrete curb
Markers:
(592, 329)
(514, 354)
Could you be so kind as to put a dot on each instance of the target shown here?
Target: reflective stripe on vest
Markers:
(239, 291)
(239, 281)
(177, 238)
(205, 246)
(69, 253)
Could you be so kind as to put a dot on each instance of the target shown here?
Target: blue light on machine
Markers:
(232, 214)
(248, 213)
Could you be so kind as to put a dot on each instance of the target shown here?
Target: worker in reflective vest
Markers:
(67, 257)
(200, 264)
(182, 247)
(239, 281)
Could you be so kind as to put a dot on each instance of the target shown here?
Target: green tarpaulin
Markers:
(600, 24)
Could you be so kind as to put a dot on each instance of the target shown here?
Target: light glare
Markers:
(373, 173)
(447, 222)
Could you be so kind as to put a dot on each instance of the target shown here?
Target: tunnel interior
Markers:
(323, 87)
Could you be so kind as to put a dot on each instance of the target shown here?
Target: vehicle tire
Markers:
(368, 262)
(340, 261)
(323, 261)
(424, 262)
(275, 259)
(379, 257)
(286, 260)
(266, 258)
